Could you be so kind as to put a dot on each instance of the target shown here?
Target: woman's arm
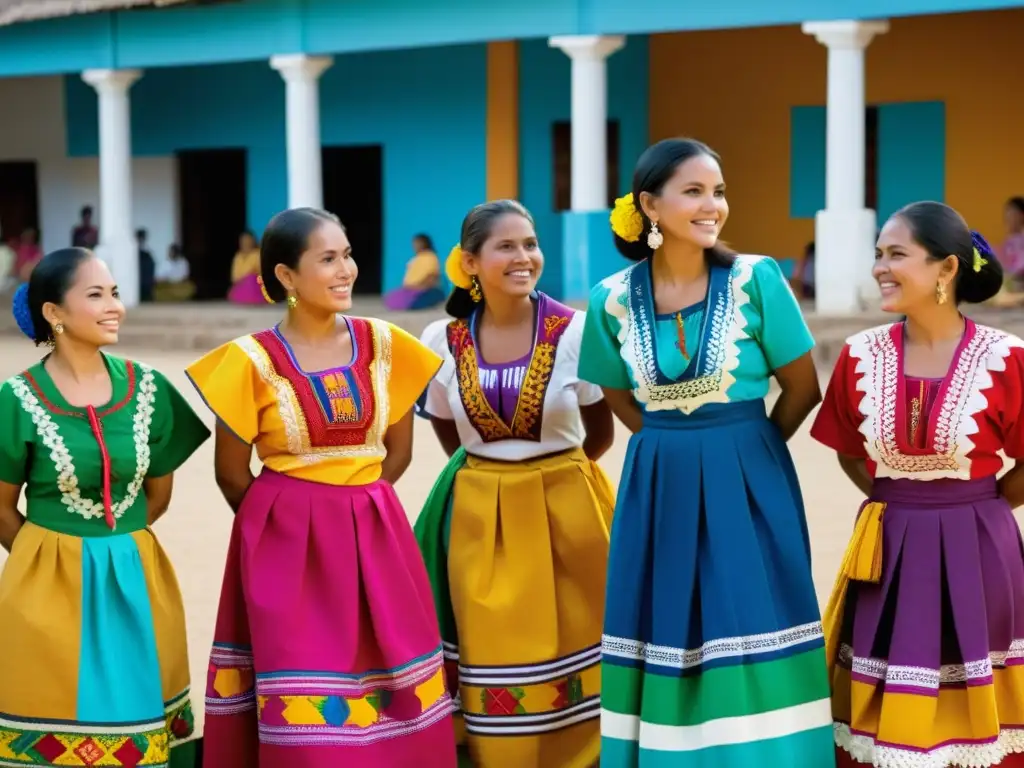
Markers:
(800, 394)
(232, 460)
(598, 428)
(624, 407)
(158, 496)
(398, 444)
(857, 470)
(447, 434)
(11, 519)
(1011, 485)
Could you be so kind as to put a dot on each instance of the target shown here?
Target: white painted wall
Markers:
(35, 130)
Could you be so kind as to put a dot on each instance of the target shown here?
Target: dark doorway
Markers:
(561, 146)
(354, 190)
(19, 200)
(212, 201)
(871, 158)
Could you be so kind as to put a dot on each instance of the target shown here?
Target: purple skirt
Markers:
(939, 641)
(246, 291)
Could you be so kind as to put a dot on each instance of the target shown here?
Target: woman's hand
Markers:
(398, 444)
(11, 519)
(1011, 485)
(232, 466)
(624, 407)
(158, 496)
(447, 434)
(598, 428)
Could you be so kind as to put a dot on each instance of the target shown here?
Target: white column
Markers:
(589, 116)
(117, 244)
(845, 230)
(301, 75)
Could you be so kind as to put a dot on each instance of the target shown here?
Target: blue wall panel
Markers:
(806, 161)
(427, 107)
(545, 98)
(911, 154)
(55, 46)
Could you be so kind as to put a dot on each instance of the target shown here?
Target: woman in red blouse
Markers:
(925, 628)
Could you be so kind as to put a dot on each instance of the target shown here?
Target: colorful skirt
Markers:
(93, 654)
(405, 299)
(246, 291)
(713, 654)
(929, 662)
(326, 649)
(517, 553)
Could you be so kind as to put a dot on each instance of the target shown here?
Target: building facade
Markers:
(196, 122)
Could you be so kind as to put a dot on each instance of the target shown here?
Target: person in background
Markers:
(807, 272)
(925, 626)
(27, 254)
(93, 645)
(172, 277)
(147, 267)
(7, 260)
(85, 235)
(245, 271)
(1011, 252)
(421, 286)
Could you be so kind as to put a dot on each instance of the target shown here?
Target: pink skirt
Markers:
(246, 291)
(327, 650)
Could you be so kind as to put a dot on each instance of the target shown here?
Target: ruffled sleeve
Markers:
(784, 335)
(226, 380)
(586, 392)
(16, 438)
(176, 432)
(413, 365)
(435, 401)
(837, 424)
(600, 362)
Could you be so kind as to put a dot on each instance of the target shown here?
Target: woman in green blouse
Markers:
(93, 657)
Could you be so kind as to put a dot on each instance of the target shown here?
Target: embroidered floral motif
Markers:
(67, 481)
(526, 424)
(878, 368)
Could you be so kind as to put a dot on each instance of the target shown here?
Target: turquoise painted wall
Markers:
(427, 107)
(256, 29)
(545, 98)
(911, 157)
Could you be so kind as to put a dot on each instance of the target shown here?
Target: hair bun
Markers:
(21, 311)
(982, 278)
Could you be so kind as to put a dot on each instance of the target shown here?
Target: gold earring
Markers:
(293, 301)
(263, 290)
(475, 293)
(58, 329)
(654, 237)
(940, 293)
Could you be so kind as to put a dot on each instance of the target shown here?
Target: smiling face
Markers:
(691, 206)
(326, 271)
(91, 311)
(510, 261)
(907, 277)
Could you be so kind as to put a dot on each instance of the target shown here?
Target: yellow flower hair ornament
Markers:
(453, 268)
(626, 220)
(979, 261)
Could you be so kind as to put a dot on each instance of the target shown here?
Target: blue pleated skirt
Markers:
(713, 652)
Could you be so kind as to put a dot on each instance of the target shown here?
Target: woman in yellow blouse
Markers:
(245, 272)
(421, 286)
(326, 649)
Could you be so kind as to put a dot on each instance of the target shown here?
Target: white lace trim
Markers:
(924, 677)
(865, 750)
(878, 378)
(67, 481)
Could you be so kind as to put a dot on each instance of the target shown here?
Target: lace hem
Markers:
(865, 750)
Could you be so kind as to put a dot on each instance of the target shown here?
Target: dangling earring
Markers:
(58, 329)
(475, 293)
(940, 293)
(654, 237)
(263, 290)
(293, 301)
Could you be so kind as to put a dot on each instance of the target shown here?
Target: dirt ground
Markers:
(195, 531)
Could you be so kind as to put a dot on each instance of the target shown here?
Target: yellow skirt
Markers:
(527, 557)
(93, 657)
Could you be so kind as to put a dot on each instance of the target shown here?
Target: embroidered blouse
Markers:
(83, 468)
(520, 410)
(327, 426)
(962, 421)
(724, 349)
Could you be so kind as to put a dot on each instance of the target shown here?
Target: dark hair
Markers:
(285, 239)
(1016, 202)
(942, 232)
(654, 168)
(51, 278)
(476, 229)
(141, 233)
(425, 239)
(86, 211)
